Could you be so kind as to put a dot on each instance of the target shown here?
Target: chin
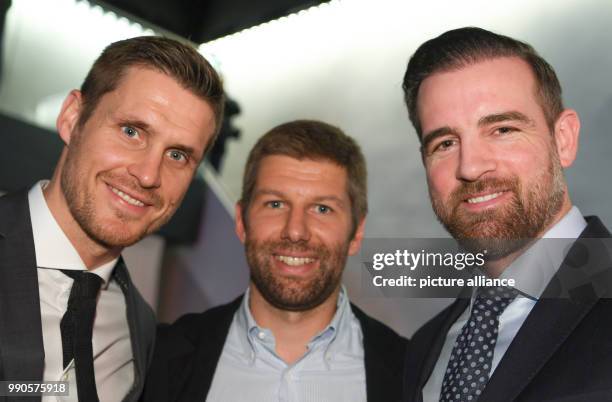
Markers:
(116, 236)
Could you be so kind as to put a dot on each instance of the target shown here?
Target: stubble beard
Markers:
(506, 229)
(294, 293)
(80, 200)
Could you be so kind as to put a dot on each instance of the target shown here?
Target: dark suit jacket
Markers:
(187, 353)
(21, 346)
(563, 351)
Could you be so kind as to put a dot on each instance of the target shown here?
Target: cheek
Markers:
(101, 157)
(440, 180)
(264, 227)
(331, 233)
(175, 184)
(526, 163)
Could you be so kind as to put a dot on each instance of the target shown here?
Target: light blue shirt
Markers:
(532, 271)
(331, 370)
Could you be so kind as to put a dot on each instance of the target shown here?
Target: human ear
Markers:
(69, 115)
(567, 133)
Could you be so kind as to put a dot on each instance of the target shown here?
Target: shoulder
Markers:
(195, 326)
(13, 199)
(372, 326)
(595, 228)
(187, 352)
(14, 211)
(377, 333)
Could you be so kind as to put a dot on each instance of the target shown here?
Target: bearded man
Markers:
(134, 135)
(495, 139)
(293, 336)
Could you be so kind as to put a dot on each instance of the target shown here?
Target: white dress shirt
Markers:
(112, 350)
(331, 370)
(532, 271)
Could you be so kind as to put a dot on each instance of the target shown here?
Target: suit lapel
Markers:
(427, 364)
(383, 359)
(199, 355)
(21, 346)
(548, 325)
(136, 323)
(560, 309)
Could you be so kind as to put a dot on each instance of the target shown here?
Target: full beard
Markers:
(294, 293)
(506, 229)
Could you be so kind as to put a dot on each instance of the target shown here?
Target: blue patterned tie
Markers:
(469, 365)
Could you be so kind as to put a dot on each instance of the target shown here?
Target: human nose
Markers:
(147, 170)
(296, 226)
(476, 159)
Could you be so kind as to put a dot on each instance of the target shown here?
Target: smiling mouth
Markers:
(294, 261)
(484, 198)
(127, 198)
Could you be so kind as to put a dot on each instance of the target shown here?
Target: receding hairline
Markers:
(133, 69)
(456, 67)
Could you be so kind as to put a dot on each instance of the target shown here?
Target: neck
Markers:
(292, 329)
(91, 252)
(495, 268)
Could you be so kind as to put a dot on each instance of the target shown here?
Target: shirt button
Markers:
(261, 335)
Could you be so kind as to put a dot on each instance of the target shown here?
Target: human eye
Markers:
(504, 130)
(274, 204)
(443, 145)
(322, 209)
(130, 131)
(177, 155)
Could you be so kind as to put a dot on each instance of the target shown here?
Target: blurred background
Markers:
(337, 61)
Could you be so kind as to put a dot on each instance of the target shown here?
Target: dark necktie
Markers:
(470, 362)
(76, 327)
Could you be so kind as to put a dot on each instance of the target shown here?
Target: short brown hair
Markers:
(175, 59)
(315, 140)
(464, 46)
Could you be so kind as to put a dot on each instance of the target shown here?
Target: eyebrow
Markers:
(316, 199)
(132, 121)
(268, 192)
(505, 116)
(334, 198)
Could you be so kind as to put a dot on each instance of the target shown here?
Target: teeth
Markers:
(483, 198)
(127, 198)
(294, 261)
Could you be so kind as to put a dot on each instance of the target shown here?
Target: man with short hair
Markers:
(293, 336)
(134, 135)
(495, 139)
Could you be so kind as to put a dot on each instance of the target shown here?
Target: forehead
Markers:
(162, 103)
(489, 86)
(280, 172)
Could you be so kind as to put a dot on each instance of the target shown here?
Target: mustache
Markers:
(492, 184)
(300, 246)
(148, 196)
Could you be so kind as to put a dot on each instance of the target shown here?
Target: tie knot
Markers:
(86, 285)
(494, 299)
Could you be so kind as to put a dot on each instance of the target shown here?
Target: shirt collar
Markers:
(248, 326)
(533, 270)
(51, 245)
